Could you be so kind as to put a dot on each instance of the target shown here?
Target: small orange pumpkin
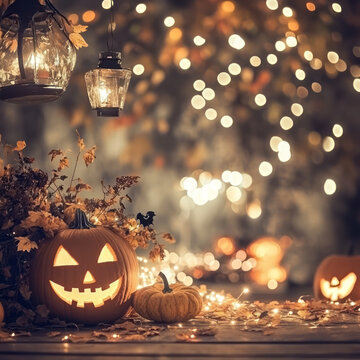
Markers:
(163, 303)
(337, 278)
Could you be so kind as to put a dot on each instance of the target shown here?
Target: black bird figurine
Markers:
(146, 220)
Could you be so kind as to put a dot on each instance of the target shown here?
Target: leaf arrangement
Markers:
(35, 206)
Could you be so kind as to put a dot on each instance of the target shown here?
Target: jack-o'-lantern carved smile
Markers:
(96, 296)
(335, 289)
(337, 278)
(85, 274)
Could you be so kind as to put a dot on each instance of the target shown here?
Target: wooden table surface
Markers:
(230, 342)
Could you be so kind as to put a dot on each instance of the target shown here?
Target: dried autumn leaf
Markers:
(54, 153)
(275, 321)
(127, 325)
(102, 335)
(82, 186)
(307, 315)
(53, 333)
(20, 145)
(89, 156)
(169, 238)
(75, 338)
(63, 163)
(157, 252)
(77, 40)
(79, 28)
(209, 331)
(25, 244)
(49, 223)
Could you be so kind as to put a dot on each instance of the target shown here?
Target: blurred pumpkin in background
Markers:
(337, 278)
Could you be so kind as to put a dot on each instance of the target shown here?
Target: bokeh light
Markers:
(329, 187)
(169, 21)
(236, 41)
(140, 8)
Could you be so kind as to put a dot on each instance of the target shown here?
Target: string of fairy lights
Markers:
(259, 262)
(189, 266)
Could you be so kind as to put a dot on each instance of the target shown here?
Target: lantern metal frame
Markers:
(28, 13)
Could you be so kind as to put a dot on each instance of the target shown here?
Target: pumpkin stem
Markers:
(81, 221)
(167, 288)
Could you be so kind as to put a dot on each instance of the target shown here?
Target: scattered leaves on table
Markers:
(264, 317)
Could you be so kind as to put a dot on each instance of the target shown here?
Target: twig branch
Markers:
(58, 190)
(75, 166)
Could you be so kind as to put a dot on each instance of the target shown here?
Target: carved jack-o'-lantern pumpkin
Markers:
(85, 274)
(336, 278)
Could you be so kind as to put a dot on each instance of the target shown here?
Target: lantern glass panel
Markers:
(39, 67)
(107, 87)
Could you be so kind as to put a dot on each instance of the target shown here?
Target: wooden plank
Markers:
(155, 357)
(181, 350)
(284, 342)
(235, 334)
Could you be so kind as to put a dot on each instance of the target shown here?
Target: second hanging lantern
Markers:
(108, 84)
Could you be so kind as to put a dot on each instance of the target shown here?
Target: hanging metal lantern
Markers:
(36, 55)
(107, 85)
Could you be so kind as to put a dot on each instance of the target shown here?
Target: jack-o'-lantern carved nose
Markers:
(89, 278)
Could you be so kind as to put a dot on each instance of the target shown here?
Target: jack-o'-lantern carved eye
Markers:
(63, 258)
(107, 254)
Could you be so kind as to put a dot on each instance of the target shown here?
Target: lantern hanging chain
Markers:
(55, 10)
(111, 30)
